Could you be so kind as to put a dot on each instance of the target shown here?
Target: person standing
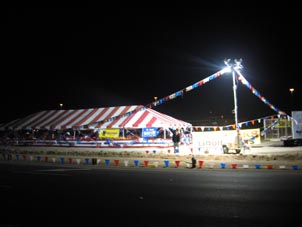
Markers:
(176, 140)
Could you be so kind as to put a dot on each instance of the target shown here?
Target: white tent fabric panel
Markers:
(135, 116)
(144, 119)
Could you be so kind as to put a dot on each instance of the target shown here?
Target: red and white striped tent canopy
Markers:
(136, 116)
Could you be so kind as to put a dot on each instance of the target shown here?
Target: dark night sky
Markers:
(89, 58)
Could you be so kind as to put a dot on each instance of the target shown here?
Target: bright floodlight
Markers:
(230, 66)
(238, 64)
(227, 69)
(227, 62)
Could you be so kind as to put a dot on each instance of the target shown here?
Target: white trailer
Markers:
(296, 130)
(224, 142)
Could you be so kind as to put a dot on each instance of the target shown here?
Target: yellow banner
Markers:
(283, 123)
(109, 133)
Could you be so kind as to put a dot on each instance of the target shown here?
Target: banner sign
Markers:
(149, 132)
(214, 140)
(109, 133)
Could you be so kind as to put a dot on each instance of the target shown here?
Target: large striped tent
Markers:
(135, 116)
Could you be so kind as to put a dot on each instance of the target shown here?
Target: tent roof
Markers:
(135, 116)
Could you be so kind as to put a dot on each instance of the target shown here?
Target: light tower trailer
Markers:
(233, 147)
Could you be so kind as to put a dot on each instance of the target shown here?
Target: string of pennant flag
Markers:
(182, 92)
(165, 99)
(233, 126)
(256, 93)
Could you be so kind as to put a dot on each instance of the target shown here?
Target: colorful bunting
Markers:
(181, 92)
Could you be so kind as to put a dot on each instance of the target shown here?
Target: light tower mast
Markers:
(236, 65)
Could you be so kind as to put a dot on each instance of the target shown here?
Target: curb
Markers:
(166, 163)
